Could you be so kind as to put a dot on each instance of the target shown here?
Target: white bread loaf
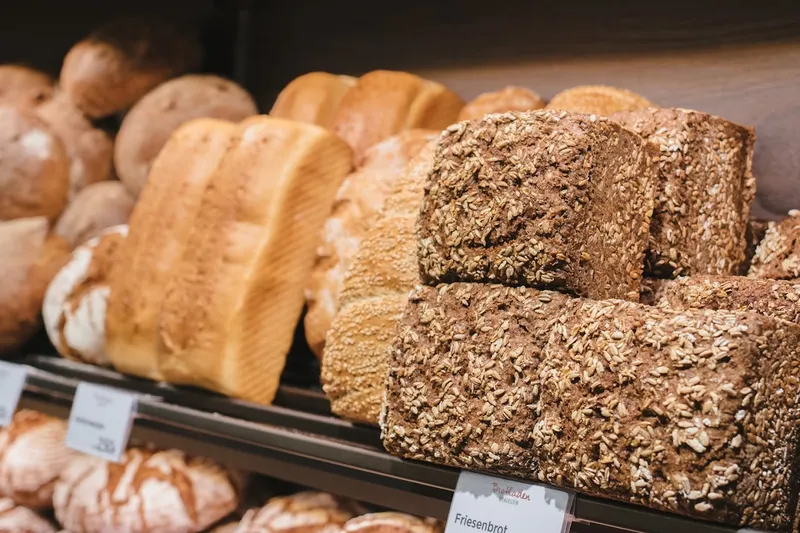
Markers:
(158, 232)
(34, 167)
(358, 203)
(384, 103)
(95, 208)
(510, 98)
(389, 522)
(313, 98)
(304, 512)
(230, 312)
(74, 308)
(16, 519)
(148, 492)
(24, 86)
(32, 455)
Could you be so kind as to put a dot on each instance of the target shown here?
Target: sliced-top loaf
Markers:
(778, 254)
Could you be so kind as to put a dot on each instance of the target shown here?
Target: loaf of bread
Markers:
(598, 100)
(74, 308)
(34, 167)
(358, 203)
(563, 201)
(778, 254)
(704, 191)
(119, 63)
(148, 492)
(383, 103)
(230, 311)
(152, 120)
(31, 257)
(16, 519)
(22, 86)
(510, 98)
(388, 522)
(304, 512)
(95, 208)
(756, 229)
(692, 412)
(158, 232)
(313, 98)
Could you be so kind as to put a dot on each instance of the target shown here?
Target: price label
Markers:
(487, 504)
(100, 421)
(12, 381)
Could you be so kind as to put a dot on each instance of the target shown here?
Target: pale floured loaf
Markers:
(383, 103)
(32, 456)
(17, 519)
(313, 98)
(147, 492)
(356, 209)
(598, 100)
(95, 208)
(74, 308)
(230, 311)
(388, 522)
(510, 98)
(158, 231)
(24, 86)
(304, 512)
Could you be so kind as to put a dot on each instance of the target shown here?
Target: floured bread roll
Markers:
(24, 86)
(95, 208)
(74, 308)
(304, 512)
(32, 455)
(598, 100)
(16, 519)
(509, 99)
(356, 209)
(313, 98)
(392, 523)
(148, 492)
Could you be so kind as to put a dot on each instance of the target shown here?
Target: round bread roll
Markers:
(34, 167)
(598, 100)
(509, 99)
(95, 208)
(152, 120)
(304, 512)
(120, 62)
(392, 523)
(74, 308)
(89, 149)
(31, 257)
(23, 87)
(148, 492)
(32, 455)
(16, 519)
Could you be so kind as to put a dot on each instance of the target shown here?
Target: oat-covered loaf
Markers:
(24, 86)
(778, 254)
(547, 199)
(704, 191)
(94, 209)
(693, 412)
(598, 100)
(304, 512)
(32, 456)
(388, 522)
(312, 98)
(148, 492)
(510, 98)
(17, 519)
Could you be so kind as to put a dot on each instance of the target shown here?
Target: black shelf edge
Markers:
(306, 448)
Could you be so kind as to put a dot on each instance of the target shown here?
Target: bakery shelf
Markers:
(298, 440)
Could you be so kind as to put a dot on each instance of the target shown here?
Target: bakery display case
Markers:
(332, 256)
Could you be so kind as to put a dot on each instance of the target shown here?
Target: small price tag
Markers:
(100, 421)
(12, 381)
(487, 504)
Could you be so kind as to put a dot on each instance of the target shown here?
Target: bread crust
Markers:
(313, 98)
(510, 98)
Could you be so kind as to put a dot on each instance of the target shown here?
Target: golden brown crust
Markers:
(313, 98)
(23, 86)
(598, 100)
(388, 522)
(95, 208)
(510, 98)
(303, 512)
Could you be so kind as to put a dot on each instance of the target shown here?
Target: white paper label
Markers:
(12, 381)
(100, 421)
(487, 504)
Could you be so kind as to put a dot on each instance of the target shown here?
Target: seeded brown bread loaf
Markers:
(17, 519)
(230, 312)
(388, 522)
(158, 232)
(598, 100)
(152, 120)
(705, 188)
(119, 63)
(508, 99)
(24, 86)
(383, 103)
(756, 229)
(304, 512)
(95, 208)
(691, 412)
(357, 206)
(313, 98)
(778, 254)
(547, 199)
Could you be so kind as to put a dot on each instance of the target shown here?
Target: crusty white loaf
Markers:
(32, 455)
(17, 519)
(389, 522)
(510, 98)
(158, 232)
(304, 512)
(95, 208)
(230, 312)
(148, 492)
(24, 86)
(384, 102)
(312, 98)
(358, 203)
(74, 308)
